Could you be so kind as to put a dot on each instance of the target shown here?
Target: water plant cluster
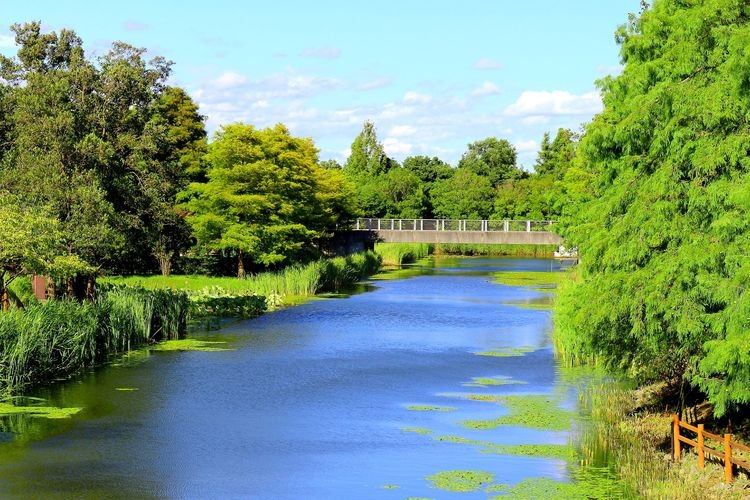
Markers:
(396, 254)
(55, 339)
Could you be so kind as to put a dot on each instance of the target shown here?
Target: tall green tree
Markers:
(663, 230)
(492, 158)
(367, 158)
(465, 195)
(556, 157)
(265, 198)
(105, 143)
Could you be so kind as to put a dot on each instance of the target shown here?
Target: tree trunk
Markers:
(165, 263)
(90, 287)
(241, 266)
(6, 300)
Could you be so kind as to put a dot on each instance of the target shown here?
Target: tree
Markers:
(466, 195)
(663, 227)
(367, 157)
(492, 158)
(404, 194)
(105, 145)
(556, 157)
(31, 241)
(428, 169)
(265, 198)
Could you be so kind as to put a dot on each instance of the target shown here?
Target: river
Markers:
(363, 396)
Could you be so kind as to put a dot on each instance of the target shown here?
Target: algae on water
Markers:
(492, 381)
(535, 411)
(461, 481)
(190, 345)
(52, 412)
(416, 430)
(506, 352)
(429, 408)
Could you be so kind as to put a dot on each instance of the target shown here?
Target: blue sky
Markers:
(432, 75)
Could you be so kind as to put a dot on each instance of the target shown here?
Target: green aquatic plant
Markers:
(492, 381)
(390, 486)
(126, 389)
(535, 411)
(396, 254)
(506, 352)
(429, 408)
(190, 345)
(416, 430)
(557, 451)
(461, 481)
(52, 412)
(539, 280)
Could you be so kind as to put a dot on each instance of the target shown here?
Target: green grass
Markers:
(396, 254)
(279, 288)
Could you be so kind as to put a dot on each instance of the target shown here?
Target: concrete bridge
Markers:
(507, 232)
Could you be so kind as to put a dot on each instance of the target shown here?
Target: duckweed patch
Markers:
(461, 481)
(429, 408)
(190, 345)
(51, 412)
(543, 487)
(539, 280)
(126, 389)
(391, 487)
(506, 352)
(492, 381)
(555, 451)
(538, 412)
(417, 430)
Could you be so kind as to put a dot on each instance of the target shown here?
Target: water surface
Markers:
(313, 401)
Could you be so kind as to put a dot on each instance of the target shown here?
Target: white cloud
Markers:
(402, 131)
(7, 41)
(486, 63)
(487, 88)
(526, 146)
(374, 84)
(417, 98)
(322, 52)
(393, 146)
(557, 102)
(229, 80)
(535, 120)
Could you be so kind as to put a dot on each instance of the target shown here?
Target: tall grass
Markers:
(494, 249)
(396, 254)
(635, 442)
(57, 338)
(327, 275)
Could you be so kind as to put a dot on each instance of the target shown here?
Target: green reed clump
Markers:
(476, 249)
(396, 254)
(57, 338)
(46, 341)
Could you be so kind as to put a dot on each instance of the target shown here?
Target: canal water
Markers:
(337, 398)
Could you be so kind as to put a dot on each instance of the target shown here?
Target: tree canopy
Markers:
(663, 226)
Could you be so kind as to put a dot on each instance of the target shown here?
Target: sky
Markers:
(432, 75)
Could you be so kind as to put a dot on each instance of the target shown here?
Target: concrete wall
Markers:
(491, 237)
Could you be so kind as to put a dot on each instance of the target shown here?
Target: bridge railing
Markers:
(372, 224)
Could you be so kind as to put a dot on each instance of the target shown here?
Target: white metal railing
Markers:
(372, 224)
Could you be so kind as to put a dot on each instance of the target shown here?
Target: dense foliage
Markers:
(663, 228)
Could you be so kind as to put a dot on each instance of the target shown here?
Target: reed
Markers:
(477, 249)
(396, 254)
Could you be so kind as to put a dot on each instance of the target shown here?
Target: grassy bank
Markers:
(631, 436)
(55, 339)
(279, 288)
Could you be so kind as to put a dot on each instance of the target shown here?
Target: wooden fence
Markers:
(702, 449)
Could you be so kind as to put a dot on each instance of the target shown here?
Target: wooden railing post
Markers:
(727, 458)
(701, 454)
(676, 436)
